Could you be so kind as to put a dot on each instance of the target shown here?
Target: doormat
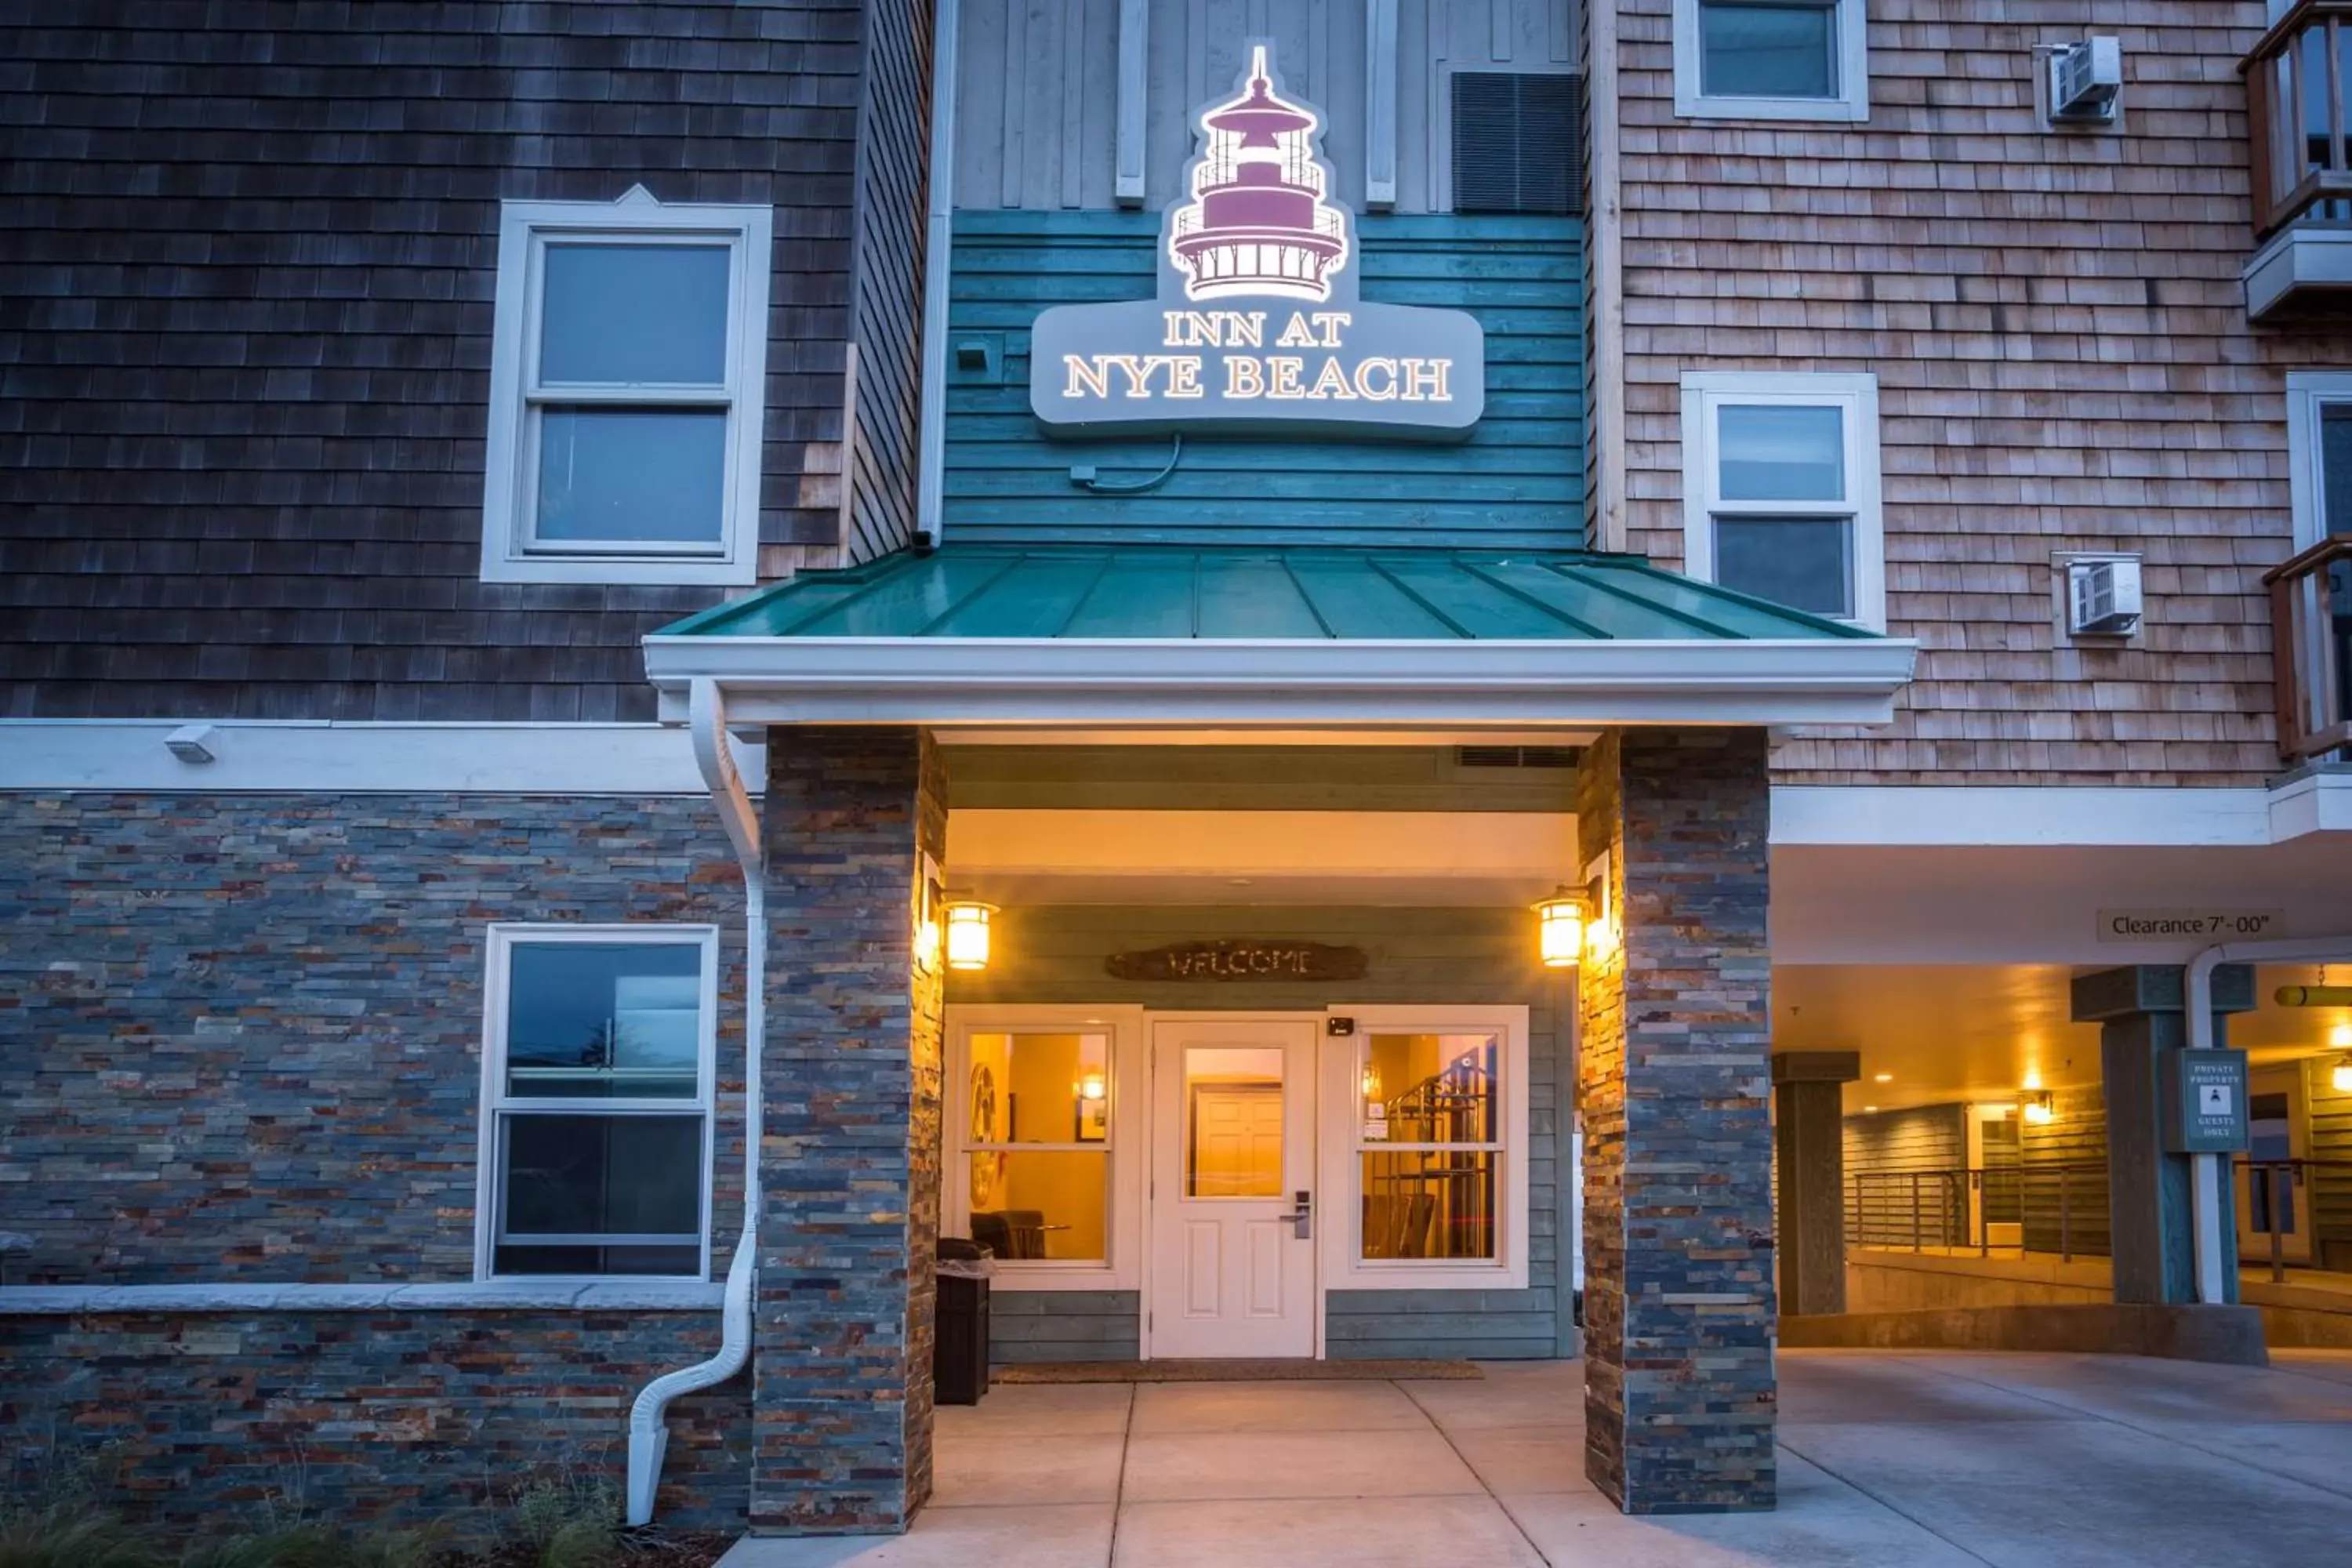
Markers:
(1233, 1371)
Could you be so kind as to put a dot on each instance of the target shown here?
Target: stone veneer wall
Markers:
(241, 1046)
(850, 1155)
(389, 1414)
(240, 1035)
(1673, 1079)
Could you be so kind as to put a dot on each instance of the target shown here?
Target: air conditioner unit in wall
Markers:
(2086, 81)
(2103, 598)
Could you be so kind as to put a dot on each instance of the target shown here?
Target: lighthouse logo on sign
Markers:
(1257, 327)
(1257, 222)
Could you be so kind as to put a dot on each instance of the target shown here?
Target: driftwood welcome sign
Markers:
(1240, 959)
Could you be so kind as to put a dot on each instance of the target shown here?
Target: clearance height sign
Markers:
(1258, 327)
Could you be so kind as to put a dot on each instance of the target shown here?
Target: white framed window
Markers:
(628, 355)
(599, 1049)
(1425, 1142)
(2319, 453)
(1772, 60)
(1047, 1142)
(1780, 491)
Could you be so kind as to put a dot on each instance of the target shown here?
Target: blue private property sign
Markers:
(2204, 1097)
(1257, 328)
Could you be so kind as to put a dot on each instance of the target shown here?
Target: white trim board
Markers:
(1982, 815)
(358, 757)
(1179, 681)
(506, 1296)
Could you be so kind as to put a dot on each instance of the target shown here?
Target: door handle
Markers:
(1302, 1215)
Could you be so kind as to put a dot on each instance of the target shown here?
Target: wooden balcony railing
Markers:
(2311, 621)
(2296, 88)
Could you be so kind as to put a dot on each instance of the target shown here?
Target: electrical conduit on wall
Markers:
(648, 1437)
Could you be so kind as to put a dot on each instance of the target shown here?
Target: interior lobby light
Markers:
(968, 927)
(1560, 929)
(2339, 1078)
(1091, 1087)
(1882, 1077)
(2041, 1107)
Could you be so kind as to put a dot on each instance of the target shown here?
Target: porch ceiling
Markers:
(1161, 634)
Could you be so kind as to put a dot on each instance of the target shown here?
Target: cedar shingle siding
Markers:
(2063, 360)
(248, 255)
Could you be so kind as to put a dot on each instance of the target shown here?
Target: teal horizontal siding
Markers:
(1516, 483)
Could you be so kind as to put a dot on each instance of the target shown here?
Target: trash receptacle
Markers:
(960, 1352)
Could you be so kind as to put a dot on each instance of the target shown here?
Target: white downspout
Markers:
(2208, 1187)
(648, 1438)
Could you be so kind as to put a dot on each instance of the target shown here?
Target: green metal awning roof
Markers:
(1185, 635)
(1166, 591)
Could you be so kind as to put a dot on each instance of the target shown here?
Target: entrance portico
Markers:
(1223, 1172)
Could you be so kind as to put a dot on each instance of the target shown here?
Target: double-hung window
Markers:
(1046, 1142)
(1433, 1137)
(1772, 60)
(625, 391)
(1780, 491)
(597, 1086)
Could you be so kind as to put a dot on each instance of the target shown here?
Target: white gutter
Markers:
(648, 1438)
(2209, 1188)
(1184, 680)
(938, 241)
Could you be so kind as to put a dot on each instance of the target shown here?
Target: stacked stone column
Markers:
(1673, 1073)
(850, 1154)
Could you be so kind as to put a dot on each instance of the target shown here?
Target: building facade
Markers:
(659, 652)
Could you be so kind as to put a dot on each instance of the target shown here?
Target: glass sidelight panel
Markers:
(1429, 1203)
(1233, 1122)
(1041, 1204)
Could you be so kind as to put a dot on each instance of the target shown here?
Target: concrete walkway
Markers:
(1917, 1460)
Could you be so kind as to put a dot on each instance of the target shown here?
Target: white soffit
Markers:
(1260, 857)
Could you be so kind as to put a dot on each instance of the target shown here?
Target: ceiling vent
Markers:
(1515, 756)
(2103, 598)
(2086, 81)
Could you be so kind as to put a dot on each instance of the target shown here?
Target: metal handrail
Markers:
(2296, 96)
(2312, 647)
(1954, 1198)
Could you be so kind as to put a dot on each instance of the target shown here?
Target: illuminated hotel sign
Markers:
(1257, 328)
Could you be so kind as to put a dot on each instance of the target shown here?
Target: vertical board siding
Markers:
(2076, 1137)
(1880, 1149)
(2059, 331)
(1465, 956)
(1517, 482)
(1037, 87)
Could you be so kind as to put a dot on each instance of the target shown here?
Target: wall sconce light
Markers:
(1092, 1088)
(967, 924)
(2041, 1107)
(1560, 929)
(1371, 1082)
(2339, 1077)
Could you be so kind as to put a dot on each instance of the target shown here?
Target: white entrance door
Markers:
(1232, 1172)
